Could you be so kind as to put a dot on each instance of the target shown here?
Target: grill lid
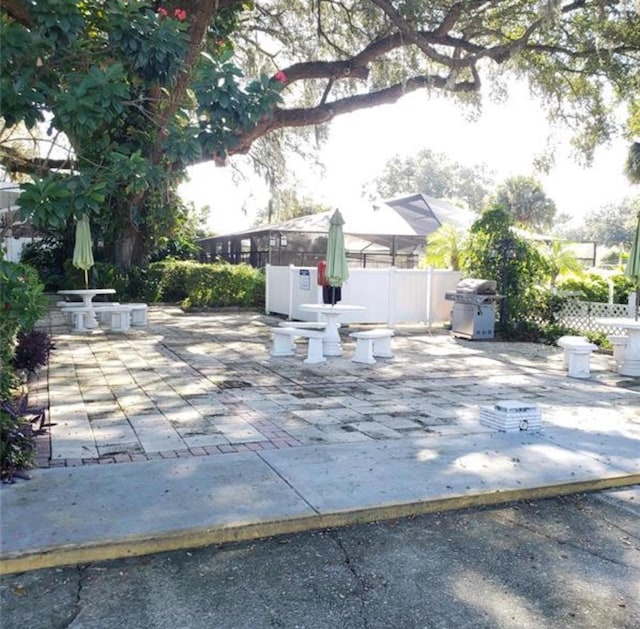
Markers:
(476, 286)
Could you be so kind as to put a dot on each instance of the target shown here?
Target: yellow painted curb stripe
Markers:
(201, 537)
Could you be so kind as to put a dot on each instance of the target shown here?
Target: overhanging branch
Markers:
(324, 112)
(14, 162)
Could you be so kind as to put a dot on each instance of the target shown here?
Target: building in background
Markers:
(392, 233)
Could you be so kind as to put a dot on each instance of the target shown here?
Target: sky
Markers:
(507, 137)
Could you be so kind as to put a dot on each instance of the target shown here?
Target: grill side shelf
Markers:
(469, 298)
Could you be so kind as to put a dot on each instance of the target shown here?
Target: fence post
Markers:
(267, 280)
(429, 312)
(391, 298)
(632, 304)
(290, 291)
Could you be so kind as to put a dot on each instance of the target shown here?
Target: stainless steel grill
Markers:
(474, 313)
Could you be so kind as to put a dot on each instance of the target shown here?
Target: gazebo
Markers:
(392, 233)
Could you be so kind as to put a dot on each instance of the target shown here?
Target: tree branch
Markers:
(15, 162)
(324, 112)
(18, 10)
(200, 20)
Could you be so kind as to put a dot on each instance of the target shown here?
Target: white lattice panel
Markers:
(582, 315)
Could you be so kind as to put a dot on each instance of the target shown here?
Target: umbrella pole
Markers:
(86, 279)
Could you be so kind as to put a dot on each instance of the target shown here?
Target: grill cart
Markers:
(474, 310)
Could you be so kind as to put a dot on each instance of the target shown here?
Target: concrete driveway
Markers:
(570, 562)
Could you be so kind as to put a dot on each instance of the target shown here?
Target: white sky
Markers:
(507, 137)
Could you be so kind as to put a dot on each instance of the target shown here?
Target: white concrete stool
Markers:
(103, 310)
(138, 314)
(577, 355)
(120, 318)
(283, 343)
(370, 343)
(69, 308)
(314, 349)
(569, 341)
(619, 344)
(78, 318)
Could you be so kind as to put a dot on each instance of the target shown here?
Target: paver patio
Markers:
(205, 384)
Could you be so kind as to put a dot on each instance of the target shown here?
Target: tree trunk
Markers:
(130, 250)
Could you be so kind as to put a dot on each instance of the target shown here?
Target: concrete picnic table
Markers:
(87, 295)
(331, 345)
(630, 363)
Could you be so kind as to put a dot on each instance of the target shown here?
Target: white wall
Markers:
(389, 295)
(13, 248)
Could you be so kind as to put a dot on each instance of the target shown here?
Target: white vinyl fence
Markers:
(389, 295)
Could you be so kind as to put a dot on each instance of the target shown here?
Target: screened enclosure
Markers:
(392, 233)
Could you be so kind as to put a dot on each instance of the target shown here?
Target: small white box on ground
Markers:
(511, 416)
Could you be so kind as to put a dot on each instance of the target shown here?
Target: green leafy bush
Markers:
(32, 350)
(551, 332)
(223, 285)
(197, 285)
(589, 287)
(169, 279)
(107, 275)
(622, 286)
(192, 284)
(595, 287)
(47, 256)
(600, 339)
(495, 251)
(21, 305)
(16, 440)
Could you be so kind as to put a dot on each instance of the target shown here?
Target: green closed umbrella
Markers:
(83, 251)
(632, 270)
(337, 270)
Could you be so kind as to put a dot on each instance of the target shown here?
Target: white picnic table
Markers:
(87, 295)
(331, 345)
(630, 360)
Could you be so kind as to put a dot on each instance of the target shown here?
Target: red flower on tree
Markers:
(180, 14)
(280, 76)
(162, 12)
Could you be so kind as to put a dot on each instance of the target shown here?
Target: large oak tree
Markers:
(137, 91)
